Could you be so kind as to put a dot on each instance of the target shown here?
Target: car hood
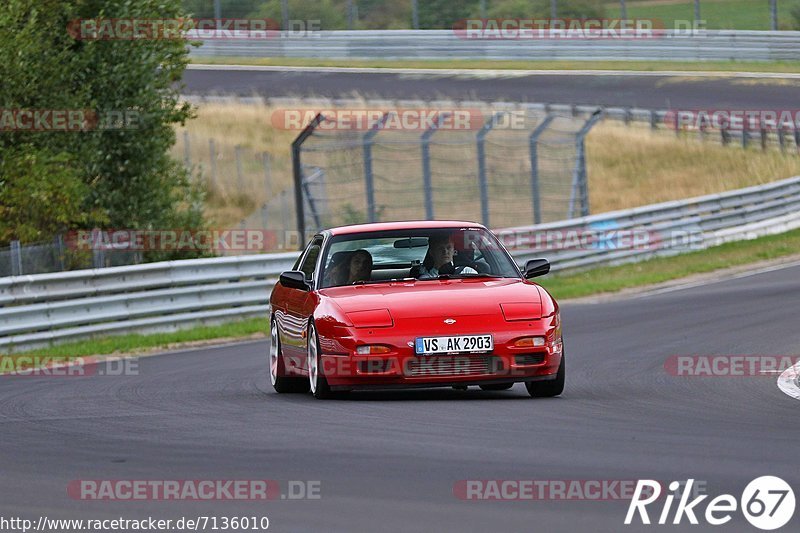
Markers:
(436, 298)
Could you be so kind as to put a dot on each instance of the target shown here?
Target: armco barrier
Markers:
(45, 309)
(703, 45)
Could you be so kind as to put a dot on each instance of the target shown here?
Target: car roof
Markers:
(410, 224)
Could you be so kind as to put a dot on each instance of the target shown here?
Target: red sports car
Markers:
(413, 304)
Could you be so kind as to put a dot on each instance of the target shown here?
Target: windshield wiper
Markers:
(468, 275)
(374, 281)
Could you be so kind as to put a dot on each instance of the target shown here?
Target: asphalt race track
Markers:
(646, 91)
(389, 461)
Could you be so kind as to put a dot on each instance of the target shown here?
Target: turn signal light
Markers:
(372, 349)
(529, 342)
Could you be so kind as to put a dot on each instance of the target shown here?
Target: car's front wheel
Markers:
(280, 382)
(548, 389)
(316, 379)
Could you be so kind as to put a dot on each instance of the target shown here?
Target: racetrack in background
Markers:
(648, 90)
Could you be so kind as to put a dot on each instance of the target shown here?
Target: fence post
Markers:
(237, 150)
(797, 137)
(483, 183)
(369, 181)
(580, 185)
(726, 136)
(267, 173)
(60, 250)
(653, 120)
(297, 171)
(213, 156)
(533, 148)
(187, 157)
(16, 258)
(782, 137)
(745, 134)
(763, 137)
(426, 165)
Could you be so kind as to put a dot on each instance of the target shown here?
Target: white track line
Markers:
(495, 73)
(788, 382)
(704, 282)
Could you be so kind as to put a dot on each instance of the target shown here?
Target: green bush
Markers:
(122, 178)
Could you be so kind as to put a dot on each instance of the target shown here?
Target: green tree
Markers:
(127, 177)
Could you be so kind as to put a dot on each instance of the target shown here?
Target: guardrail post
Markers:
(483, 184)
(426, 165)
(16, 258)
(533, 149)
(369, 180)
(297, 172)
(580, 185)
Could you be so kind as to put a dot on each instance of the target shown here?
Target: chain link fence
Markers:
(508, 168)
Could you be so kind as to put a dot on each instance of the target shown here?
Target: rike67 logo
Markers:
(767, 503)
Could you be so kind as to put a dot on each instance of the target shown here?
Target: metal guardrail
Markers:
(700, 45)
(45, 309)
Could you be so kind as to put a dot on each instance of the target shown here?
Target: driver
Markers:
(439, 259)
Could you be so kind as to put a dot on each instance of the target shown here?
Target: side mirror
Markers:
(536, 267)
(294, 279)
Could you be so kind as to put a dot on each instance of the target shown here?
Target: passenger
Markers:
(439, 259)
(360, 267)
(338, 270)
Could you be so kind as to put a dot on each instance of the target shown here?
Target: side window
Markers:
(310, 258)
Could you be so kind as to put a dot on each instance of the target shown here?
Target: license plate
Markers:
(456, 344)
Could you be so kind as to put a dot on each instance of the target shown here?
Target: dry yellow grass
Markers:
(633, 166)
(628, 166)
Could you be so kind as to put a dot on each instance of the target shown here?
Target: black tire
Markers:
(497, 386)
(548, 389)
(282, 384)
(316, 379)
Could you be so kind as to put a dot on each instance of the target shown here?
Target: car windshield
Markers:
(421, 254)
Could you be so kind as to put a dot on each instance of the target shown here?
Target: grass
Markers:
(657, 270)
(126, 344)
(791, 67)
(718, 14)
(628, 166)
